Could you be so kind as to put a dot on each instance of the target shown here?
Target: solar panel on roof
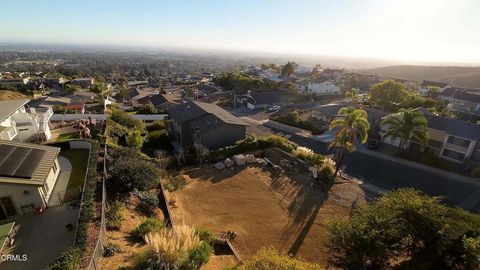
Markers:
(19, 162)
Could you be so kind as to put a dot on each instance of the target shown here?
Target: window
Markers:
(453, 154)
(55, 168)
(458, 141)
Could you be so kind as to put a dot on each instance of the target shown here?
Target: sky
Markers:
(403, 30)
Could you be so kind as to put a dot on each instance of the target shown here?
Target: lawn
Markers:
(67, 137)
(79, 160)
(265, 208)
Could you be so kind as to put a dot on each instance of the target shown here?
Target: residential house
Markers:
(157, 100)
(262, 100)
(19, 123)
(28, 173)
(323, 87)
(82, 96)
(198, 123)
(466, 102)
(15, 81)
(84, 83)
(426, 85)
(137, 84)
(76, 107)
(55, 83)
(451, 139)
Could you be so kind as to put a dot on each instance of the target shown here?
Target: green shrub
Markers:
(157, 125)
(174, 183)
(148, 201)
(68, 260)
(127, 175)
(205, 234)
(326, 171)
(475, 172)
(148, 226)
(200, 254)
(113, 215)
(110, 249)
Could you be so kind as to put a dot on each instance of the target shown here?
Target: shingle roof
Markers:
(155, 100)
(42, 169)
(454, 127)
(10, 106)
(267, 97)
(467, 96)
(194, 109)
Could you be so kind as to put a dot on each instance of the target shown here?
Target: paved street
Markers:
(391, 173)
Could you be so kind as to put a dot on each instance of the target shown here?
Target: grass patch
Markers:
(79, 160)
(67, 137)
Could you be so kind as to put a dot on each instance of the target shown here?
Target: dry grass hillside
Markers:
(9, 95)
(456, 75)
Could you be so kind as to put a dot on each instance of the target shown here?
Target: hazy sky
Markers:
(408, 30)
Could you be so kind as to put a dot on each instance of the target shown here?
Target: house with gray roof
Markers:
(28, 174)
(451, 139)
(199, 123)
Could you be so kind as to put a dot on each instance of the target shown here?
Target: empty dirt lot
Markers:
(265, 208)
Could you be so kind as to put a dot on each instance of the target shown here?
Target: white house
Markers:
(426, 85)
(28, 173)
(323, 87)
(19, 123)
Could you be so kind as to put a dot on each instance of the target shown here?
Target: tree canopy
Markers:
(406, 229)
(288, 69)
(387, 94)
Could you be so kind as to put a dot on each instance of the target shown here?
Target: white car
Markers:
(273, 108)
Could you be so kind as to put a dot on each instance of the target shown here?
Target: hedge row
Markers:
(252, 143)
(71, 258)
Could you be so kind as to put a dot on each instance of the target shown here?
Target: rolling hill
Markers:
(455, 75)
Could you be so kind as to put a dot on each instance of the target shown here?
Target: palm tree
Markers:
(408, 125)
(352, 127)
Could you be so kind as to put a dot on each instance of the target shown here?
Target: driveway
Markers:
(41, 238)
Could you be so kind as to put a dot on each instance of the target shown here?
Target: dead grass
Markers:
(265, 208)
(11, 95)
(129, 246)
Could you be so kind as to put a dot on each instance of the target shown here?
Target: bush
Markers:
(157, 125)
(147, 109)
(407, 222)
(308, 154)
(126, 120)
(110, 249)
(68, 260)
(113, 215)
(148, 201)
(148, 226)
(174, 183)
(252, 143)
(133, 174)
(475, 172)
(200, 254)
(205, 234)
(326, 171)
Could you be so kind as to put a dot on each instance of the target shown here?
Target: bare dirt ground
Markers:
(265, 208)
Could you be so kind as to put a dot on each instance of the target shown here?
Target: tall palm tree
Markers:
(408, 125)
(353, 128)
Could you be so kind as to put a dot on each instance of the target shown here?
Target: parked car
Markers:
(273, 108)
(373, 143)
